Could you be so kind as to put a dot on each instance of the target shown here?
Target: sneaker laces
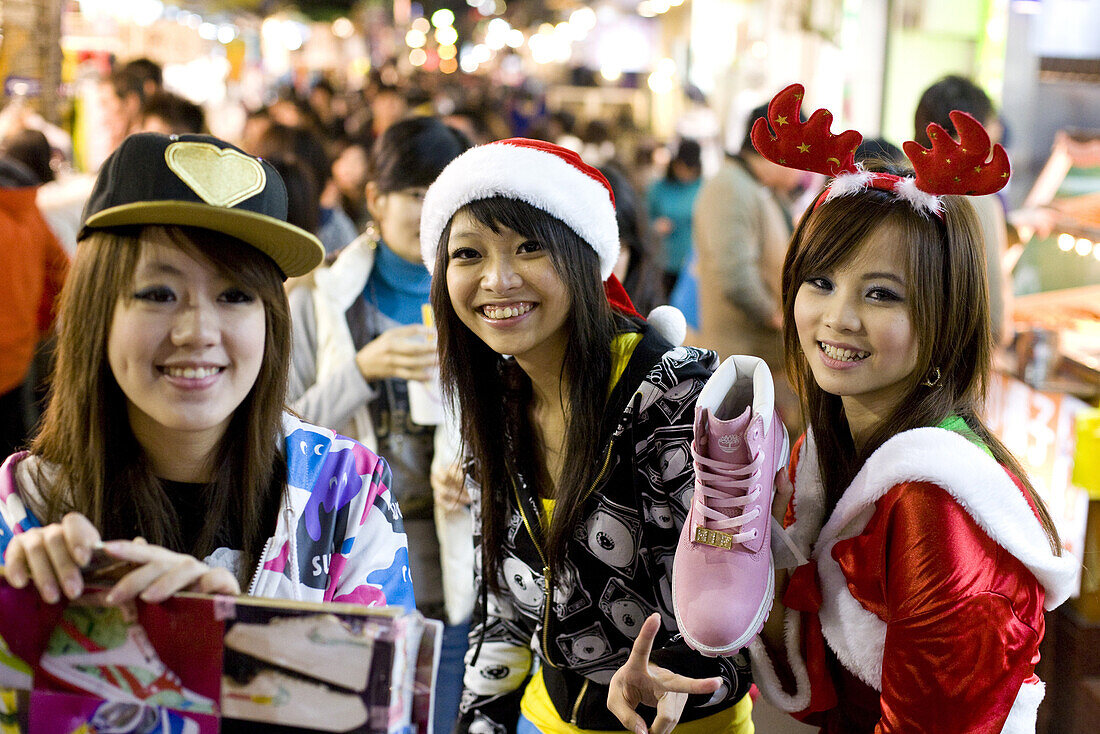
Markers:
(723, 490)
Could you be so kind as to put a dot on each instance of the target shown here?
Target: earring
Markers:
(933, 378)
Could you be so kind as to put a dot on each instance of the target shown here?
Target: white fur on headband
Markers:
(906, 188)
(535, 176)
(920, 200)
(849, 183)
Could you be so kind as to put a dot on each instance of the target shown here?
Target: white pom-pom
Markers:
(919, 200)
(670, 323)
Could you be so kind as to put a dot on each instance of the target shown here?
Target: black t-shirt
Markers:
(191, 503)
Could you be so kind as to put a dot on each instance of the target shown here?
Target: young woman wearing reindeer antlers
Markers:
(931, 556)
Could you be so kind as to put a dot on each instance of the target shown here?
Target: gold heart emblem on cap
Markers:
(220, 176)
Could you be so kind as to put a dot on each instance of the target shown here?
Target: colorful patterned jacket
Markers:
(338, 537)
(618, 566)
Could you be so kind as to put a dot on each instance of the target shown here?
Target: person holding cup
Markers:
(364, 361)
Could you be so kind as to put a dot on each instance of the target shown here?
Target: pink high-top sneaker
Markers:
(722, 577)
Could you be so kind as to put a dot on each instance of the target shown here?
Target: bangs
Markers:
(234, 260)
(574, 258)
(836, 231)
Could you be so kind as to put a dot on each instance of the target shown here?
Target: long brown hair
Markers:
(93, 463)
(948, 307)
(493, 393)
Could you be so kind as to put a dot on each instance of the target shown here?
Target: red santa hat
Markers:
(552, 179)
(546, 176)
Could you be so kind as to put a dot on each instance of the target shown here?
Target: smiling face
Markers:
(185, 344)
(855, 328)
(505, 289)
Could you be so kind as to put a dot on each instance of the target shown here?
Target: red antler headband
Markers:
(949, 167)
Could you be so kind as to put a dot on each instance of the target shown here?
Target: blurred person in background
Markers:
(301, 144)
(878, 149)
(31, 149)
(387, 106)
(741, 229)
(33, 266)
(322, 102)
(290, 110)
(123, 93)
(256, 124)
(349, 176)
(671, 200)
(639, 265)
(360, 341)
(303, 206)
(171, 114)
(959, 93)
(598, 145)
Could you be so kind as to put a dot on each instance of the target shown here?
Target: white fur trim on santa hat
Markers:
(535, 176)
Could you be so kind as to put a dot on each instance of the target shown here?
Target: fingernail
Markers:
(71, 587)
(83, 556)
(640, 729)
(50, 595)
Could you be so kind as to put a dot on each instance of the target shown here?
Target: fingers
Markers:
(449, 488)
(639, 653)
(217, 581)
(676, 683)
(160, 574)
(669, 708)
(80, 536)
(621, 701)
(39, 567)
(40, 556)
(784, 491)
(65, 568)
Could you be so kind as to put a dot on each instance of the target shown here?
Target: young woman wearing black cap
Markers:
(165, 433)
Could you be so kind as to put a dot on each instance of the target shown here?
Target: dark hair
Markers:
(137, 76)
(298, 144)
(181, 115)
(879, 149)
(644, 281)
(411, 153)
(303, 205)
(949, 309)
(689, 154)
(94, 465)
(32, 149)
(493, 393)
(950, 93)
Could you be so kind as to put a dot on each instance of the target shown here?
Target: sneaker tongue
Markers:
(726, 438)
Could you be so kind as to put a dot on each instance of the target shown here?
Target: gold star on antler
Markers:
(780, 120)
(804, 148)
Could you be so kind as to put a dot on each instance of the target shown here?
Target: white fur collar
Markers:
(344, 280)
(972, 477)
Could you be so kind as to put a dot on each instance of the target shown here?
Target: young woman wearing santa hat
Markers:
(577, 422)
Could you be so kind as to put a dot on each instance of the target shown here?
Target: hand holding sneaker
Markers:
(640, 682)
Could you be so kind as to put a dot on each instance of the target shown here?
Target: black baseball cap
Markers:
(200, 181)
